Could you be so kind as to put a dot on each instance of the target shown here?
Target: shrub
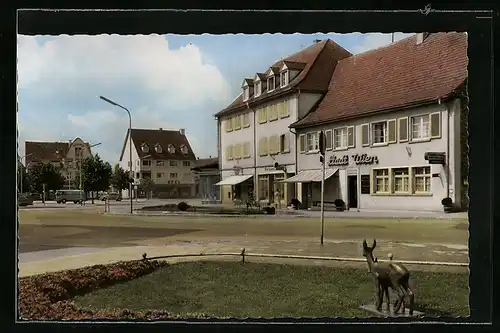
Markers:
(295, 203)
(182, 206)
(446, 201)
(47, 296)
(339, 203)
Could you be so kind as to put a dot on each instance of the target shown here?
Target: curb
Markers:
(304, 216)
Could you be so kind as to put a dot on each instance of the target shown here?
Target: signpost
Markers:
(322, 146)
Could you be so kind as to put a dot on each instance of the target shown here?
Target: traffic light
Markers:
(322, 143)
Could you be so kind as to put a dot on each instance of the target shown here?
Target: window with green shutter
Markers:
(391, 131)
(302, 143)
(351, 137)
(403, 129)
(435, 119)
(365, 135)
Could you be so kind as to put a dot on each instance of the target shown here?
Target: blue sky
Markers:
(170, 81)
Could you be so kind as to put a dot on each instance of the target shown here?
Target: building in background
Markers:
(164, 157)
(206, 175)
(256, 147)
(394, 120)
(66, 156)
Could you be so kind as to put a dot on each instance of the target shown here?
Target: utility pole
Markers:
(322, 148)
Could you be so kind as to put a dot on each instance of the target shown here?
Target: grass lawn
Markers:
(231, 289)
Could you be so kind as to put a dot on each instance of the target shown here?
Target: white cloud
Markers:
(375, 40)
(62, 79)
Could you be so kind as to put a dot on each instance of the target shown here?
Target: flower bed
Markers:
(48, 296)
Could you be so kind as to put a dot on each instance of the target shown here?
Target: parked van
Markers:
(63, 196)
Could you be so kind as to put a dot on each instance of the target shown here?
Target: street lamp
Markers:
(21, 160)
(129, 144)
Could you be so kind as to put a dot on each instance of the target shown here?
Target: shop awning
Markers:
(307, 176)
(233, 180)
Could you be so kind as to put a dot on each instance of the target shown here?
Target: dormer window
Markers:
(184, 149)
(258, 88)
(246, 93)
(284, 78)
(145, 148)
(159, 149)
(270, 83)
(171, 149)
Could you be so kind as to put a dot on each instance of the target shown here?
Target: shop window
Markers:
(401, 180)
(280, 187)
(381, 180)
(263, 187)
(422, 179)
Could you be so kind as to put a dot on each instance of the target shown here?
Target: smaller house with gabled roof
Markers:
(393, 119)
(64, 155)
(163, 156)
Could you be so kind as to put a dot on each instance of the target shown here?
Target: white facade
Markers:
(393, 174)
(161, 172)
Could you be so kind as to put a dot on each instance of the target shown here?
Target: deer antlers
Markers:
(365, 245)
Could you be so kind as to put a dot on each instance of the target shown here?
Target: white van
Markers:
(63, 196)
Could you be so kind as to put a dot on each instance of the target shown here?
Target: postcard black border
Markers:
(481, 140)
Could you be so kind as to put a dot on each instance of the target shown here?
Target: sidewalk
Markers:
(38, 263)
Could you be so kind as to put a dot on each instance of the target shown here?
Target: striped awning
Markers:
(307, 176)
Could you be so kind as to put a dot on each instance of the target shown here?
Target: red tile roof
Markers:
(206, 163)
(401, 74)
(152, 137)
(318, 62)
(43, 151)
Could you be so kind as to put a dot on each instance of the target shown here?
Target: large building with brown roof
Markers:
(393, 119)
(163, 156)
(256, 148)
(65, 156)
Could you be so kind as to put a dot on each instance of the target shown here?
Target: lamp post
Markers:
(21, 180)
(129, 144)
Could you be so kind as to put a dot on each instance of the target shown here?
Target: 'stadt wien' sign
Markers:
(359, 159)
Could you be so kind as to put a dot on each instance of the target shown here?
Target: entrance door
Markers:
(352, 183)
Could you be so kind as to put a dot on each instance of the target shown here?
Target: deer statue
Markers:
(389, 275)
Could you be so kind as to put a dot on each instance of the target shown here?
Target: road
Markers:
(53, 232)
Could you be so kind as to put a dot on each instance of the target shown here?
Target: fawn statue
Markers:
(389, 275)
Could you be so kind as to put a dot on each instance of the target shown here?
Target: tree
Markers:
(47, 174)
(96, 174)
(147, 185)
(23, 179)
(120, 178)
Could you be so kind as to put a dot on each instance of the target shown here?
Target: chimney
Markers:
(421, 36)
(182, 131)
(317, 41)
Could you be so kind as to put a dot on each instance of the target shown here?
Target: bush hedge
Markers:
(48, 296)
